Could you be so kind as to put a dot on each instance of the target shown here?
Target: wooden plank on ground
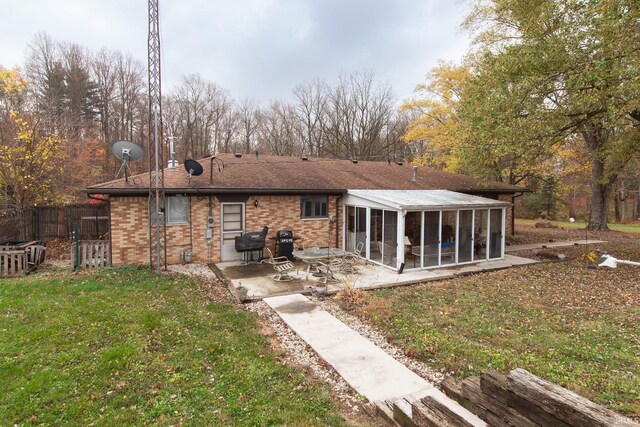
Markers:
(502, 414)
(431, 412)
(563, 404)
(402, 413)
(494, 384)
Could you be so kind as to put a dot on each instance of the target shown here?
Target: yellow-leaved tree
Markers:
(435, 126)
(31, 160)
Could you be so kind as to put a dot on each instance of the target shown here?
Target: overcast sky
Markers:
(259, 49)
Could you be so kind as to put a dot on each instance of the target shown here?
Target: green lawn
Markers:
(580, 225)
(562, 321)
(127, 347)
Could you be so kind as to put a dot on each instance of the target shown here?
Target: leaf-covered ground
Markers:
(127, 347)
(565, 321)
(526, 232)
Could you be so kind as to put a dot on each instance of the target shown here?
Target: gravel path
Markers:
(193, 270)
(298, 353)
(423, 370)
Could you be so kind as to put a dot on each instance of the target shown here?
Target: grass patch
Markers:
(574, 326)
(128, 347)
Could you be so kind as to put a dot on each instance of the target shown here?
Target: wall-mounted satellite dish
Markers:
(127, 152)
(193, 167)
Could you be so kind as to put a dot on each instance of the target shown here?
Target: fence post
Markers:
(77, 237)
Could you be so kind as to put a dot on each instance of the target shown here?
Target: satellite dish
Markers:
(127, 152)
(124, 149)
(193, 167)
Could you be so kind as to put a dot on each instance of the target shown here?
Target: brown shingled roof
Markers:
(279, 174)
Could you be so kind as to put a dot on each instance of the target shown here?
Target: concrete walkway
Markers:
(529, 246)
(364, 366)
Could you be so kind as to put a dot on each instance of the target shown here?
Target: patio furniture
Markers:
(281, 265)
(349, 262)
(359, 248)
(311, 257)
(329, 268)
(448, 249)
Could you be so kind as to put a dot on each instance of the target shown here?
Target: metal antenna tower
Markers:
(157, 222)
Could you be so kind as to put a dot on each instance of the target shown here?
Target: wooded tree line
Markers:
(547, 98)
(64, 109)
(89, 100)
(548, 94)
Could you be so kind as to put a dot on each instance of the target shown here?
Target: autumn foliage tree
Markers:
(31, 159)
(436, 123)
(550, 70)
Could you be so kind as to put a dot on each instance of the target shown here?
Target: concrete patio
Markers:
(258, 278)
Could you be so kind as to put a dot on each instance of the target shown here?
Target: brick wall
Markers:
(280, 212)
(130, 227)
(129, 230)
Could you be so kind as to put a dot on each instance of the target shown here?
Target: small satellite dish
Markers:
(127, 152)
(193, 167)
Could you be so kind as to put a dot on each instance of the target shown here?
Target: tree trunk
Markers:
(600, 191)
(601, 184)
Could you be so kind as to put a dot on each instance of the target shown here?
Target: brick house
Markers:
(384, 205)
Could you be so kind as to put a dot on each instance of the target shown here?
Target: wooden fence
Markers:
(91, 254)
(56, 222)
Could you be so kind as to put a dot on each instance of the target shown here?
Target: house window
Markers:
(177, 210)
(313, 207)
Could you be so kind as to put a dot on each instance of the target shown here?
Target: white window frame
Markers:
(172, 205)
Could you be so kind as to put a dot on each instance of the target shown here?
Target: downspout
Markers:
(513, 212)
(190, 226)
(338, 222)
(209, 231)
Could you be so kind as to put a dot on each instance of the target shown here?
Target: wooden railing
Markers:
(91, 254)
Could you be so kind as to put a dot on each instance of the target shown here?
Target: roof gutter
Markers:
(494, 190)
(210, 191)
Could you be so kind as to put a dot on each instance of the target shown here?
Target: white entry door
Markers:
(232, 225)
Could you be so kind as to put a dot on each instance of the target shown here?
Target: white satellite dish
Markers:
(127, 152)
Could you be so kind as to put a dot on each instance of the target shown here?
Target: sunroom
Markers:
(419, 229)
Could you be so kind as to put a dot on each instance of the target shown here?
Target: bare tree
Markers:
(196, 114)
(249, 122)
(360, 108)
(312, 111)
(279, 131)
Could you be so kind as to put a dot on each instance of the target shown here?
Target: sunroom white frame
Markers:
(405, 201)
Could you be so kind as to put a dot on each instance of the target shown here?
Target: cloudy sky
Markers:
(259, 49)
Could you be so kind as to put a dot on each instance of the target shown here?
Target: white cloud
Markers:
(254, 48)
